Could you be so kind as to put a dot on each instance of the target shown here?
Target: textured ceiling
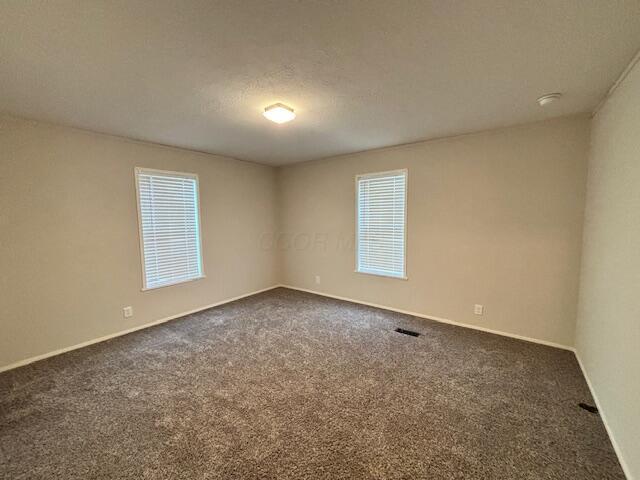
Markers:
(360, 74)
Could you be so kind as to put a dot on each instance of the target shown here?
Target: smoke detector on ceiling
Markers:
(548, 98)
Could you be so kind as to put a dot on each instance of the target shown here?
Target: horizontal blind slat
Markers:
(381, 202)
(169, 226)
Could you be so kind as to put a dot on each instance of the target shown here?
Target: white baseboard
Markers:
(27, 361)
(616, 447)
(437, 319)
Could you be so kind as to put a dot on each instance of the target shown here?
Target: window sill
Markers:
(146, 289)
(381, 275)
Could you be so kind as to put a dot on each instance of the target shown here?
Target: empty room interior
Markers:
(316, 239)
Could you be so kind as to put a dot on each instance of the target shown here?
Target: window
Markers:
(169, 217)
(381, 201)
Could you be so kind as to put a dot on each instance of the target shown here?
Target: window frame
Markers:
(405, 172)
(194, 176)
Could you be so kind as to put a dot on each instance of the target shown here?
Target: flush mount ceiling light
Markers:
(279, 113)
(548, 98)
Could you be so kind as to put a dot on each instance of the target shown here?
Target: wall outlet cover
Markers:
(127, 312)
(478, 309)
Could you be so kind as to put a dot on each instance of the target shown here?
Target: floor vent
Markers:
(407, 332)
(588, 408)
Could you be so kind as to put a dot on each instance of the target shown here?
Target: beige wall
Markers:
(608, 330)
(493, 218)
(69, 248)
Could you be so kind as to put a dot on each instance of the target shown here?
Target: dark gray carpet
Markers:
(289, 385)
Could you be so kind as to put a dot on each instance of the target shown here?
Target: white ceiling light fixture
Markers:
(548, 98)
(279, 113)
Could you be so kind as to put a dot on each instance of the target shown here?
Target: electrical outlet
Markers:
(127, 312)
(317, 279)
(478, 309)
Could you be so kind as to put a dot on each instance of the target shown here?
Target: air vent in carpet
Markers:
(407, 332)
(588, 408)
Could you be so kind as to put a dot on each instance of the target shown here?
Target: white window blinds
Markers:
(169, 227)
(381, 223)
